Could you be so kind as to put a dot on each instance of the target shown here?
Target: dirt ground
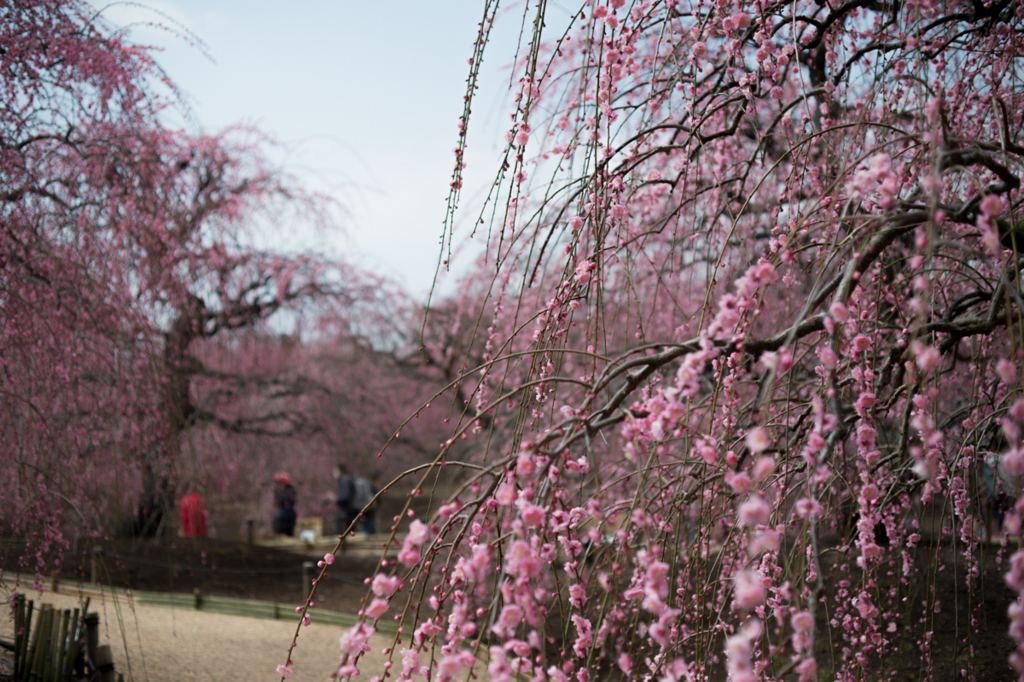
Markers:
(157, 644)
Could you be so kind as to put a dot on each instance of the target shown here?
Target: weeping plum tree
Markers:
(750, 327)
(126, 249)
(269, 403)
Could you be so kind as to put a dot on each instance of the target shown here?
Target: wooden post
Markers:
(54, 582)
(92, 635)
(105, 663)
(197, 599)
(307, 578)
(94, 567)
(250, 531)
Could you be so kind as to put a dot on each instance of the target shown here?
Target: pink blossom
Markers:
(410, 662)
(828, 357)
(583, 271)
(802, 621)
(865, 402)
(758, 440)
(1006, 370)
(749, 592)
(806, 508)
(754, 512)
(328, 558)
(767, 541)
(505, 494)
(522, 560)
(533, 515)
(1013, 461)
(739, 482)
(1017, 410)
(510, 616)
(451, 664)
(584, 636)
(354, 641)
(657, 578)
(409, 555)
(577, 595)
(497, 666)
(283, 670)
(991, 205)
(807, 669)
(763, 467)
(525, 463)
(377, 608)
(661, 631)
(866, 435)
(861, 343)
(928, 357)
(839, 312)
(384, 585)
(739, 649)
(417, 533)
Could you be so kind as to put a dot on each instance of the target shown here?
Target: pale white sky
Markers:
(365, 95)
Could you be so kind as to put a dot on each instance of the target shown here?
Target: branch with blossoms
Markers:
(749, 337)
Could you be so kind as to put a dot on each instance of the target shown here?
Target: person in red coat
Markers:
(193, 514)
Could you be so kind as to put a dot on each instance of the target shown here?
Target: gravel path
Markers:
(165, 644)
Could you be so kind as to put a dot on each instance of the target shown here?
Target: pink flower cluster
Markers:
(731, 306)
(410, 553)
(878, 175)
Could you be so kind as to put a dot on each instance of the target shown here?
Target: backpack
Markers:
(363, 493)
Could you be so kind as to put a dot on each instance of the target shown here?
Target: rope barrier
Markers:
(226, 571)
(204, 569)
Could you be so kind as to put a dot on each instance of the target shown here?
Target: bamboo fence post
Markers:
(74, 644)
(62, 645)
(51, 645)
(39, 642)
(26, 636)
